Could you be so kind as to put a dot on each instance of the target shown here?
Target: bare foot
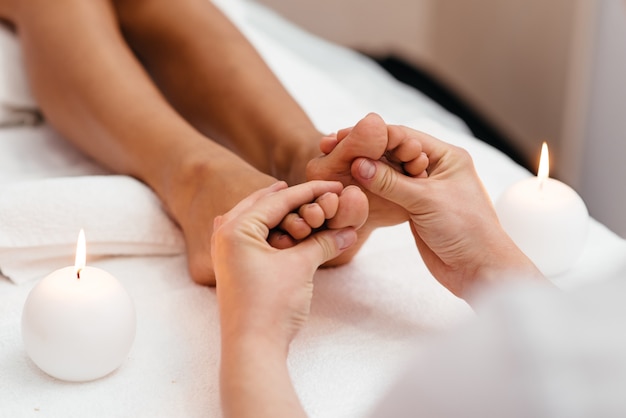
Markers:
(204, 191)
(332, 211)
(373, 139)
(230, 179)
(404, 150)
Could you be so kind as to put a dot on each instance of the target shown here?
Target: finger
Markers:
(431, 146)
(342, 133)
(251, 199)
(434, 149)
(407, 150)
(402, 140)
(328, 143)
(417, 167)
(384, 181)
(273, 207)
(326, 245)
(279, 240)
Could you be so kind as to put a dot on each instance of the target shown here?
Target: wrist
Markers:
(254, 379)
(247, 343)
(239, 327)
(504, 261)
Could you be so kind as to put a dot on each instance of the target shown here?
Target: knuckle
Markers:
(463, 156)
(387, 182)
(326, 246)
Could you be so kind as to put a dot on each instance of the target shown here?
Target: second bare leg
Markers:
(215, 78)
(91, 87)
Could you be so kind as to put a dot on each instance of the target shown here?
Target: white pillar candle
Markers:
(78, 323)
(546, 218)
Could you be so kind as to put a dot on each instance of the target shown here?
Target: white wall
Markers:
(602, 175)
(375, 25)
(508, 58)
(539, 69)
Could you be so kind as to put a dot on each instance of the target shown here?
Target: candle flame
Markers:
(81, 253)
(544, 163)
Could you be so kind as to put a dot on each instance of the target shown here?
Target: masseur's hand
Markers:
(261, 287)
(453, 221)
(264, 293)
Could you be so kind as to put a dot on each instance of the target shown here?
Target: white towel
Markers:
(40, 220)
(17, 105)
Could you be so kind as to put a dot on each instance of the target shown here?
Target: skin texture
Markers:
(158, 90)
(101, 73)
(452, 219)
(260, 313)
(265, 301)
(368, 138)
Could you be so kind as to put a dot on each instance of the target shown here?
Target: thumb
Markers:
(382, 180)
(326, 245)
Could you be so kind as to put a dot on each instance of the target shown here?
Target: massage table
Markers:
(368, 318)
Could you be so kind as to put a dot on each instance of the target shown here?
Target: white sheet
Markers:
(17, 105)
(366, 316)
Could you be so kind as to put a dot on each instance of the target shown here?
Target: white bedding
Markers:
(367, 316)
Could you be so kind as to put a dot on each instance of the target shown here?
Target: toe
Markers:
(352, 211)
(312, 214)
(295, 226)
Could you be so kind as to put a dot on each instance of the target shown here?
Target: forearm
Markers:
(254, 378)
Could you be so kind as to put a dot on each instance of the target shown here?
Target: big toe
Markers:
(368, 138)
(353, 209)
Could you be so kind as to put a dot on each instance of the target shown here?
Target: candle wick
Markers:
(78, 274)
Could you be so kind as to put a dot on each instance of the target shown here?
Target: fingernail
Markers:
(345, 238)
(367, 169)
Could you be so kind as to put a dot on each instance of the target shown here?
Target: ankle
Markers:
(187, 174)
(290, 157)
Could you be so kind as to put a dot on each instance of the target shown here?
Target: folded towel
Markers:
(40, 220)
(17, 105)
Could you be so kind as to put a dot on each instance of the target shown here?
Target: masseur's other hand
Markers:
(453, 221)
(264, 291)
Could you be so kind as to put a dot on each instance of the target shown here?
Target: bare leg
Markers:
(217, 81)
(92, 88)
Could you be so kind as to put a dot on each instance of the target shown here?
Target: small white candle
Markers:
(546, 218)
(78, 323)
